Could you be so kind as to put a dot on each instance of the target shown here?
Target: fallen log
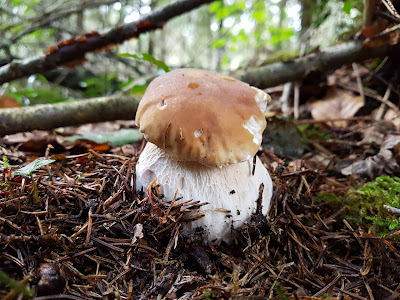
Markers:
(122, 108)
(49, 116)
(281, 72)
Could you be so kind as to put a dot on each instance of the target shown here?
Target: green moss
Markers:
(4, 186)
(311, 132)
(280, 56)
(281, 292)
(365, 205)
(209, 294)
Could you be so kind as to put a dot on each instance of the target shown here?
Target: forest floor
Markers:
(77, 229)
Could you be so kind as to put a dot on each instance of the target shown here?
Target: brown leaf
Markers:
(374, 166)
(377, 27)
(337, 104)
(390, 36)
(8, 102)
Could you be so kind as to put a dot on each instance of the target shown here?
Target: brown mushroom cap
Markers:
(203, 116)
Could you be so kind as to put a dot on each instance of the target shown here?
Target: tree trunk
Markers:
(306, 15)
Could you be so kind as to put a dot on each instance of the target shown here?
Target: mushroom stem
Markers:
(231, 191)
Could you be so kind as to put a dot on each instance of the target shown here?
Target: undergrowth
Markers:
(365, 204)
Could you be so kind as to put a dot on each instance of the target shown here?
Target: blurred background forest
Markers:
(338, 90)
(225, 36)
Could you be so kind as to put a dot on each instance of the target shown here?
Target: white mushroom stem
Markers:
(231, 191)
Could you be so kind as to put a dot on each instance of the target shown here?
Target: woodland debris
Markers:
(336, 104)
(136, 247)
(385, 161)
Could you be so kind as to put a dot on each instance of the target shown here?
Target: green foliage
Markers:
(4, 186)
(240, 37)
(209, 294)
(139, 89)
(281, 292)
(310, 132)
(335, 20)
(222, 11)
(42, 35)
(347, 6)
(24, 2)
(38, 95)
(99, 85)
(280, 34)
(117, 138)
(365, 205)
(15, 285)
(5, 162)
(149, 58)
(250, 24)
(33, 166)
(219, 43)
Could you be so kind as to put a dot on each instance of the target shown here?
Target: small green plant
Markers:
(33, 166)
(366, 204)
(30, 168)
(4, 186)
(149, 58)
(117, 138)
(15, 285)
(209, 294)
(312, 132)
(281, 292)
(5, 162)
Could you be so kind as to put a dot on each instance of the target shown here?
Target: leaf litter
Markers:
(92, 236)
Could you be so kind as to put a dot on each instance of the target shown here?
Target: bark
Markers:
(306, 15)
(368, 13)
(117, 108)
(49, 116)
(72, 52)
(281, 72)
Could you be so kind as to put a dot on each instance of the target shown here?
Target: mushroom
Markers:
(203, 131)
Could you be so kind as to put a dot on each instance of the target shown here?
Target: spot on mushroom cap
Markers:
(203, 116)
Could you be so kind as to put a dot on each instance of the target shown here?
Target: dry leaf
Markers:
(392, 116)
(138, 233)
(337, 104)
(377, 27)
(375, 133)
(8, 102)
(374, 166)
(391, 36)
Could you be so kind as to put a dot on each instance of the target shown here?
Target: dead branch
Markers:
(48, 116)
(74, 113)
(74, 50)
(281, 72)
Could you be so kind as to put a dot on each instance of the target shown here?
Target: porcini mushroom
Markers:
(203, 131)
